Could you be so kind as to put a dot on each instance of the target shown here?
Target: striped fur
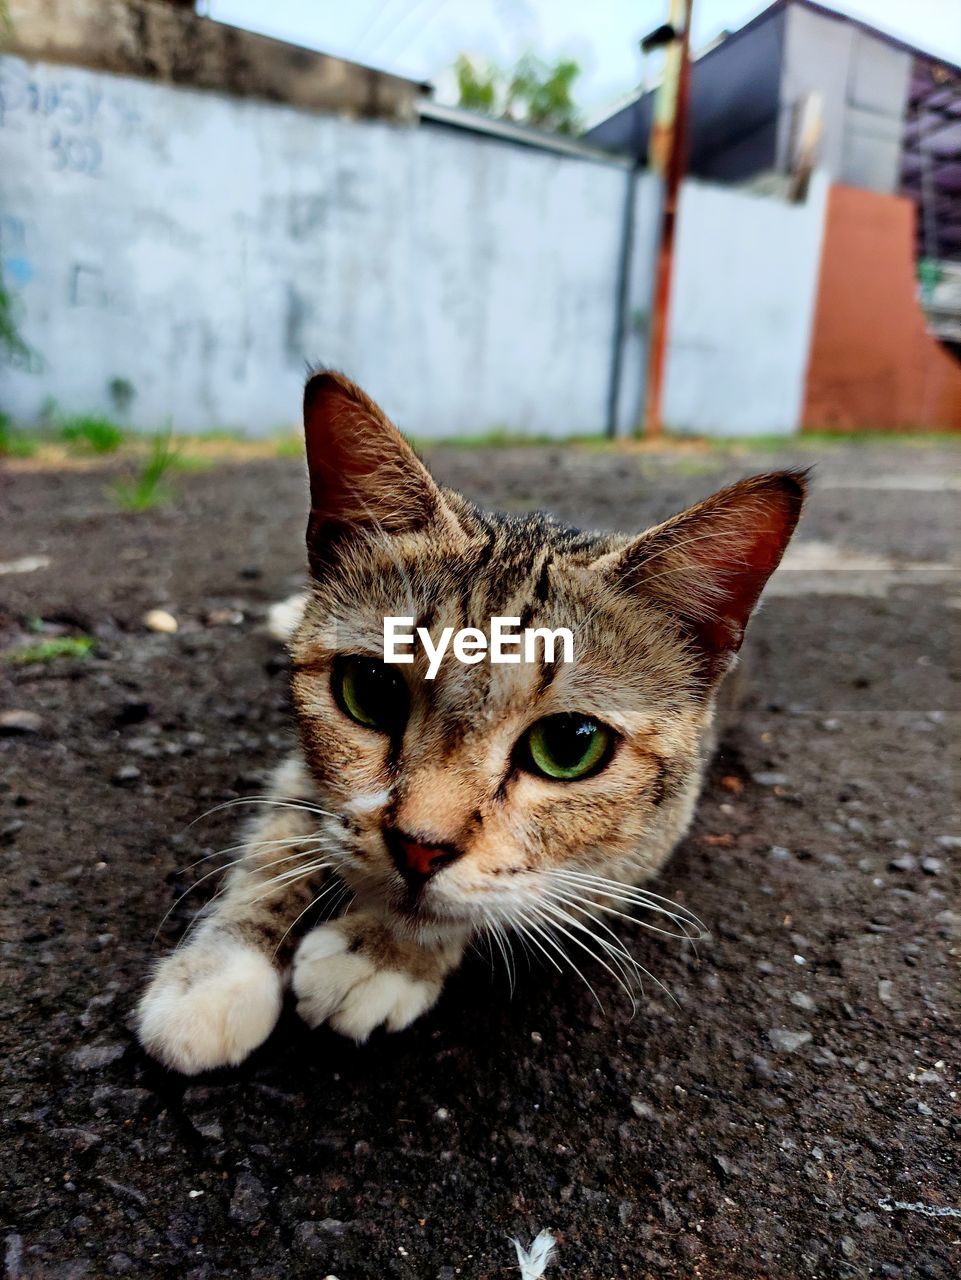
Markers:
(657, 619)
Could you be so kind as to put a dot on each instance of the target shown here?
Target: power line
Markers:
(406, 41)
(414, 9)
(371, 23)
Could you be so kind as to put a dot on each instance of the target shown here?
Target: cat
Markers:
(534, 796)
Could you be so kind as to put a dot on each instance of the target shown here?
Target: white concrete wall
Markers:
(742, 308)
(204, 248)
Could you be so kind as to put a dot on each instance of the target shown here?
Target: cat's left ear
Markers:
(364, 476)
(708, 566)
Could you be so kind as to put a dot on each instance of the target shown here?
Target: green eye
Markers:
(371, 693)
(567, 747)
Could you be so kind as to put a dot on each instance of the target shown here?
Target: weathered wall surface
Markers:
(745, 279)
(161, 41)
(205, 248)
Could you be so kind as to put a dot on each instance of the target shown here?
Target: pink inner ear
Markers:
(710, 564)
(362, 472)
(739, 585)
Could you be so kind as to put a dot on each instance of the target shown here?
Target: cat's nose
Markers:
(417, 860)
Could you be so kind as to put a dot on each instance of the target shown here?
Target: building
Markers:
(193, 213)
(801, 86)
(888, 115)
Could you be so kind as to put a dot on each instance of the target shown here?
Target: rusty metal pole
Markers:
(667, 155)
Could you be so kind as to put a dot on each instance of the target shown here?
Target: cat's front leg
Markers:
(217, 997)
(361, 972)
(211, 1003)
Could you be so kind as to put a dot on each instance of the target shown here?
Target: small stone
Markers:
(929, 1077)
(536, 1038)
(123, 1102)
(866, 1220)
(801, 1000)
(19, 720)
(948, 842)
(127, 773)
(92, 1057)
(886, 992)
(923, 1109)
(768, 778)
(779, 853)
(441, 1114)
(783, 1041)
(932, 866)
(224, 618)
(907, 863)
(643, 1110)
(848, 1247)
(732, 783)
(160, 620)
(725, 1167)
(316, 1237)
(249, 1201)
(78, 1140)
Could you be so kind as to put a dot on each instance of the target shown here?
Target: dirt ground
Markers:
(794, 1114)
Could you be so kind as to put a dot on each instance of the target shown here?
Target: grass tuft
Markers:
(290, 446)
(13, 443)
(50, 650)
(92, 434)
(147, 490)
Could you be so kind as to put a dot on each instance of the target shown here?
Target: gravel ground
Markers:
(792, 1112)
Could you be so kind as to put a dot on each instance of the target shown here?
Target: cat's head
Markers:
(475, 795)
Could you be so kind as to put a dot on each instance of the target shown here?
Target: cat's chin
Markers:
(430, 916)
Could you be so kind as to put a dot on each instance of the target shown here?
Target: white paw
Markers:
(347, 990)
(209, 1005)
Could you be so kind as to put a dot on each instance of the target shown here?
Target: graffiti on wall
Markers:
(71, 115)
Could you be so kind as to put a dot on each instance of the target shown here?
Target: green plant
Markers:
(147, 489)
(477, 86)
(49, 650)
(92, 434)
(13, 443)
(533, 92)
(122, 395)
(290, 446)
(12, 343)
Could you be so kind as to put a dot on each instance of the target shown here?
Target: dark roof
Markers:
(823, 11)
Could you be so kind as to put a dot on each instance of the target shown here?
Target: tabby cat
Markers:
(532, 796)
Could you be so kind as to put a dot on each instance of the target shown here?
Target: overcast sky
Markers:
(421, 38)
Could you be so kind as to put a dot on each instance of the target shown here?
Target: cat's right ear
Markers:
(364, 477)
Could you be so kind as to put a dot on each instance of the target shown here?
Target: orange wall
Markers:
(872, 363)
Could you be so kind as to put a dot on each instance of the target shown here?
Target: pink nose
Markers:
(416, 860)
